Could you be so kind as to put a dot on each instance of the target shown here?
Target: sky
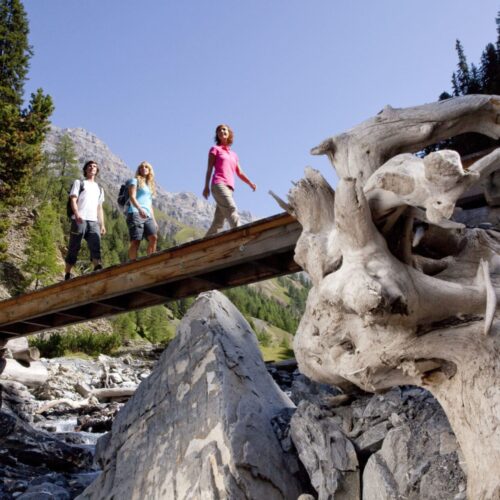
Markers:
(153, 78)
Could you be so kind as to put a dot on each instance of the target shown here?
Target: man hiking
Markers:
(87, 219)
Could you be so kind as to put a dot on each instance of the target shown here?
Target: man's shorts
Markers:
(139, 228)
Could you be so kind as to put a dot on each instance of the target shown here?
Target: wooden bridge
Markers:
(250, 253)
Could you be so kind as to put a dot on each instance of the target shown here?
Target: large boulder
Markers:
(200, 425)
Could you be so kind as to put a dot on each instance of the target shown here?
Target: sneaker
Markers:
(98, 267)
(67, 276)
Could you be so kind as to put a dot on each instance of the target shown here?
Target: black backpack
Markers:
(69, 210)
(123, 197)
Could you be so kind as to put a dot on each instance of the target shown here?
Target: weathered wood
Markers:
(250, 253)
(32, 375)
(375, 318)
(112, 393)
(75, 405)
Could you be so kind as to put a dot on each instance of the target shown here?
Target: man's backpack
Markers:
(69, 210)
(123, 196)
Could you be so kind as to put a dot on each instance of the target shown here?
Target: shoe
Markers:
(98, 267)
(67, 276)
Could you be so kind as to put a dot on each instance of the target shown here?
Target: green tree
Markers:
(22, 131)
(65, 165)
(15, 52)
(42, 249)
(490, 70)
(461, 78)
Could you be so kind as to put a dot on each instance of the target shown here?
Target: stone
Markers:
(45, 491)
(200, 425)
(326, 453)
(371, 440)
(411, 464)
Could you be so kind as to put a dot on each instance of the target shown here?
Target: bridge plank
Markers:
(250, 253)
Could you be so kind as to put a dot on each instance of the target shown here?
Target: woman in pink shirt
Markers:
(224, 163)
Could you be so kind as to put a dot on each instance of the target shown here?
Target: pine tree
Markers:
(65, 165)
(22, 131)
(490, 70)
(461, 79)
(42, 248)
(15, 52)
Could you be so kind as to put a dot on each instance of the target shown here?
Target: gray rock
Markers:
(305, 388)
(417, 460)
(328, 456)
(371, 440)
(200, 425)
(45, 491)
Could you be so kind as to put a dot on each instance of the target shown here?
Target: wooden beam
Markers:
(243, 255)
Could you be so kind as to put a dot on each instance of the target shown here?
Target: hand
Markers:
(78, 219)
(206, 192)
(143, 213)
(103, 230)
(253, 186)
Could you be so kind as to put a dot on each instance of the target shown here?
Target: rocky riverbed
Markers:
(210, 399)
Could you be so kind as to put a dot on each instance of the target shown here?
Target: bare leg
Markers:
(152, 240)
(133, 249)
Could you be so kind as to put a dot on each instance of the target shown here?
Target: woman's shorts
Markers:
(139, 228)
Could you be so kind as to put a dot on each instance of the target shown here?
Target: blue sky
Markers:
(153, 78)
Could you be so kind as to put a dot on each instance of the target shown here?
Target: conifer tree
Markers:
(65, 165)
(22, 131)
(42, 248)
(15, 52)
(461, 78)
(490, 70)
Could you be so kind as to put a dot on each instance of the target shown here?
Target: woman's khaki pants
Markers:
(225, 210)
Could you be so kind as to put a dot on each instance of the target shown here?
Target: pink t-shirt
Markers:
(226, 162)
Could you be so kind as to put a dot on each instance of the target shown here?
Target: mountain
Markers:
(181, 209)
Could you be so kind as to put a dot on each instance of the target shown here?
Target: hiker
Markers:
(87, 219)
(141, 220)
(224, 163)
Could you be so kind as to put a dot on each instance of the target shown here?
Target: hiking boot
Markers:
(98, 267)
(68, 276)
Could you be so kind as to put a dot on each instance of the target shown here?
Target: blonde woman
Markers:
(140, 215)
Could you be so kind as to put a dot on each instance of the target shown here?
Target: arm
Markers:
(210, 167)
(132, 191)
(74, 208)
(153, 216)
(100, 218)
(244, 178)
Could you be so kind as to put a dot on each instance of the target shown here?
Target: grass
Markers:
(79, 355)
(188, 234)
(272, 289)
(276, 353)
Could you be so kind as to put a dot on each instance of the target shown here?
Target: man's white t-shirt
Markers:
(88, 200)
